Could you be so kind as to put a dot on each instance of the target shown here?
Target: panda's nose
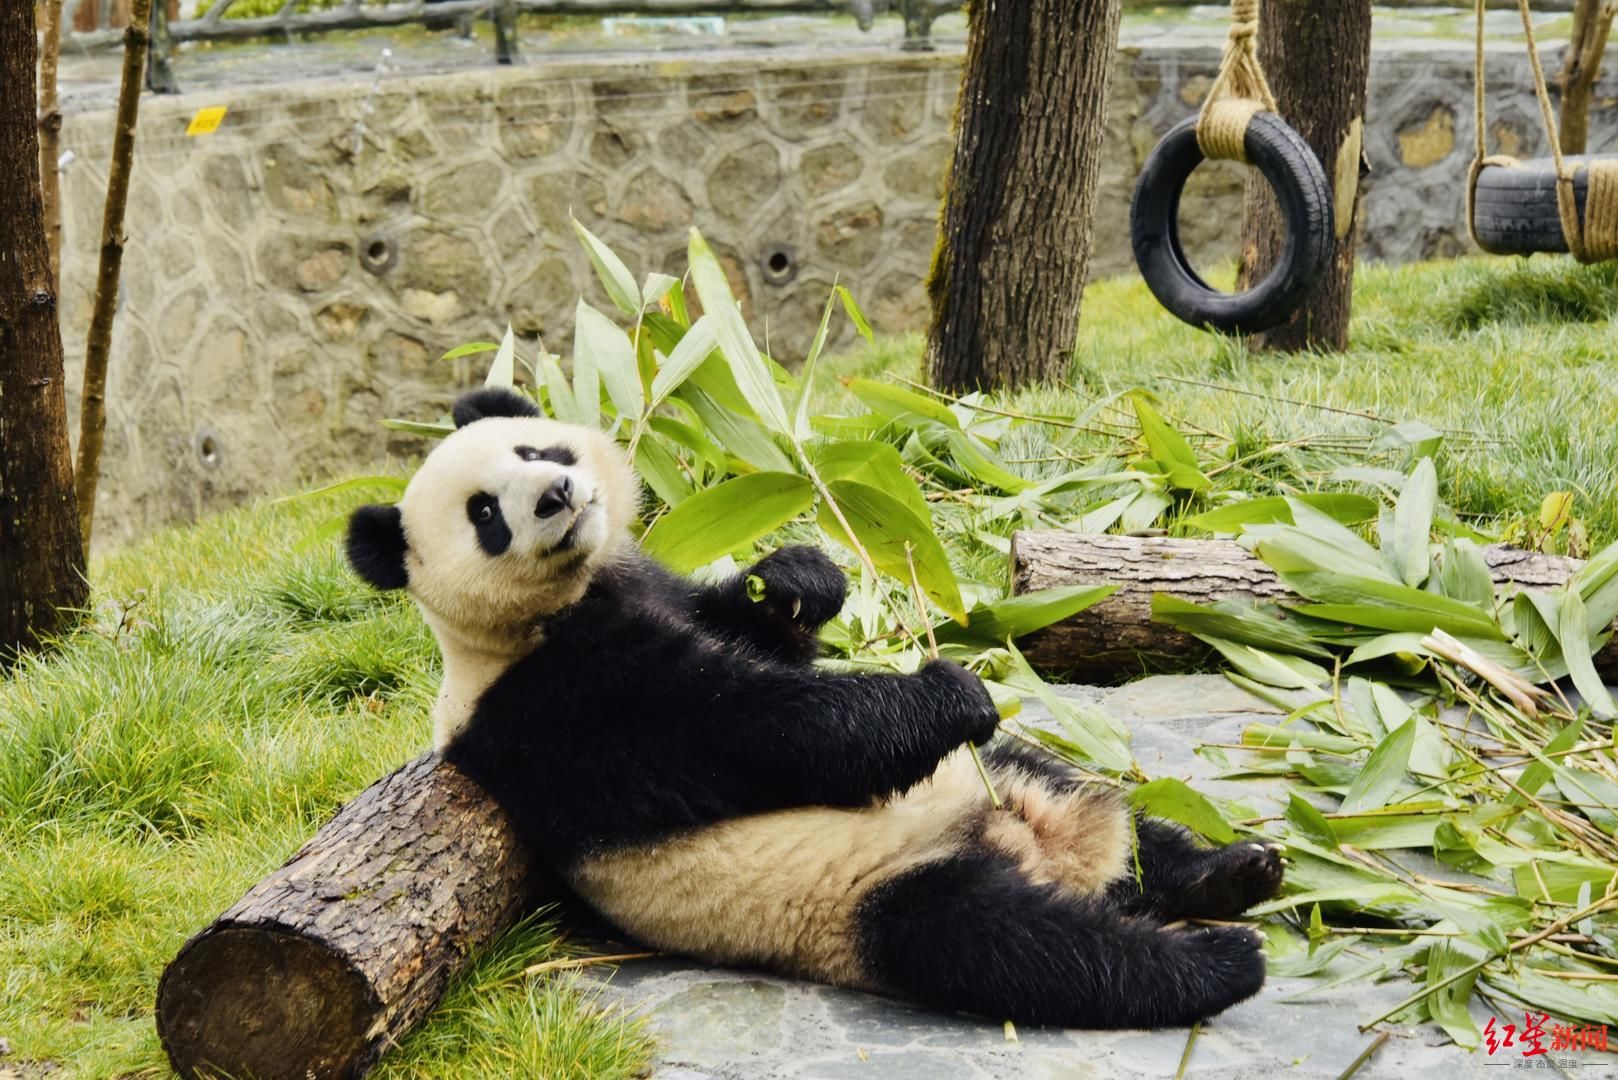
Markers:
(557, 497)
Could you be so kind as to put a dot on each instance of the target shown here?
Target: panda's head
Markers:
(504, 523)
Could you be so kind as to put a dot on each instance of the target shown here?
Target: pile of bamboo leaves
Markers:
(1453, 788)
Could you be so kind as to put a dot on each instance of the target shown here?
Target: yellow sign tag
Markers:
(207, 121)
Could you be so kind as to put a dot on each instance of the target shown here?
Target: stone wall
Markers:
(291, 280)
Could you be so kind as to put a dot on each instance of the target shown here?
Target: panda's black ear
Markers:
(376, 546)
(491, 401)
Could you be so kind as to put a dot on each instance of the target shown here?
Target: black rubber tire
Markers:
(1515, 208)
(1299, 183)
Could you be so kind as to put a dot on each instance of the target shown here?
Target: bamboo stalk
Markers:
(50, 136)
(98, 345)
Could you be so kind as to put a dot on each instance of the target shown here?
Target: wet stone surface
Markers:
(719, 1024)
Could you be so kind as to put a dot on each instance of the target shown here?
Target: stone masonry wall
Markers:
(292, 279)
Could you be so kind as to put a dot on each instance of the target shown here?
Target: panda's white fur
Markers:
(485, 611)
(671, 751)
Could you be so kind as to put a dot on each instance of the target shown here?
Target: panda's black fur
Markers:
(671, 751)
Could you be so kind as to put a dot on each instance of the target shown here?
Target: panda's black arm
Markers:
(843, 739)
(803, 589)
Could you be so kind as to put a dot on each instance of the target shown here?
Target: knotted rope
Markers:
(1239, 92)
(1595, 239)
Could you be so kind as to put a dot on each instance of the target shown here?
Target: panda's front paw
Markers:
(802, 585)
(979, 718)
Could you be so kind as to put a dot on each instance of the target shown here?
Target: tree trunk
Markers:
(1117, 637)
(328, 961)
(98, 343)
(1014, 239)
(1592, 24)
(41, 563)
(1317, 55)
(50, 135)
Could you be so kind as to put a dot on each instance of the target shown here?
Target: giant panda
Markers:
(671, 751)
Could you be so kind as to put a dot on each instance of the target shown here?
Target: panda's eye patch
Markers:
(561, 455)
(483, 511)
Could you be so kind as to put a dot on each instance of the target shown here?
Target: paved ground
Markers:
(725, 1025)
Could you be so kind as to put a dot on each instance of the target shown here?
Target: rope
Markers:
(1596, 238)
(1239, 91)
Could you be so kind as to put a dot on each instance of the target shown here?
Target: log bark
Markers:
(1317, 55)
(1014, 236)
(1117, 638)
(41, 562)
(98, 343)
(331, 959)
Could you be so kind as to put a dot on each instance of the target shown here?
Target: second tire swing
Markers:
(1238, 122)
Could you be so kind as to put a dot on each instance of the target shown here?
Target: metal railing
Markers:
(918, 16)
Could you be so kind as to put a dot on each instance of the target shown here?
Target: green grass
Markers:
(1516, 361)
(235, 687)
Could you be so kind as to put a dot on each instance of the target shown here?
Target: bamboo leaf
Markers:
(741, 435)
(1447, 1003)
(1465, 576)
(1304, 818)
(1271, 669)
(801, 428)
(1578, 653)
(563, 406)
(990, 625)
(900, 405)
(886, 526)
(720, 519)
(1172, 799)
(605, 348)
(1169, 449)
(656, 287)
(1094, 738)
(503, 372)
(471, 348)
(1232, 621)
(1406, 547)
(695, 346)
(661, 472)
(855, 315)
(982, 464)
(877, 464)
(1346, 508)
(752, 374)
(414, 427)
(614, 275)
(1383, 770)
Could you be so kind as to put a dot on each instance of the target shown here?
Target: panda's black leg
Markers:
(971, 934)
(1180, 880)
(803, 590)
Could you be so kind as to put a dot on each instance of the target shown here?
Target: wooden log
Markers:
(331, 959)
(1117, 638)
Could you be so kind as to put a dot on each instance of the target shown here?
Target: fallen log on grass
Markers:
(332, 958)
(1117, 637)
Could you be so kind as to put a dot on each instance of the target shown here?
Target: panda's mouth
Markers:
(572, 534)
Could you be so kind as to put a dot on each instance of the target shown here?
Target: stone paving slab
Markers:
(719, 1024)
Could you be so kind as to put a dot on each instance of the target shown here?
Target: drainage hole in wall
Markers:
(377, 254)
(779, 264)
(208, 451)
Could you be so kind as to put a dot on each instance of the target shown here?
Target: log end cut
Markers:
(246, 1001)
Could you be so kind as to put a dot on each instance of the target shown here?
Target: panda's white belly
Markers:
(781, 889)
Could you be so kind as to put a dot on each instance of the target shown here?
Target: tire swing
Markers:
(1238, 122)
(1554, 205)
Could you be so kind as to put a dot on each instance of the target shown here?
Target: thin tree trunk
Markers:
(98, 346)
(50, 136)
(1014, 239)
(1592, 24)
(41, 562)
(1317, 55)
